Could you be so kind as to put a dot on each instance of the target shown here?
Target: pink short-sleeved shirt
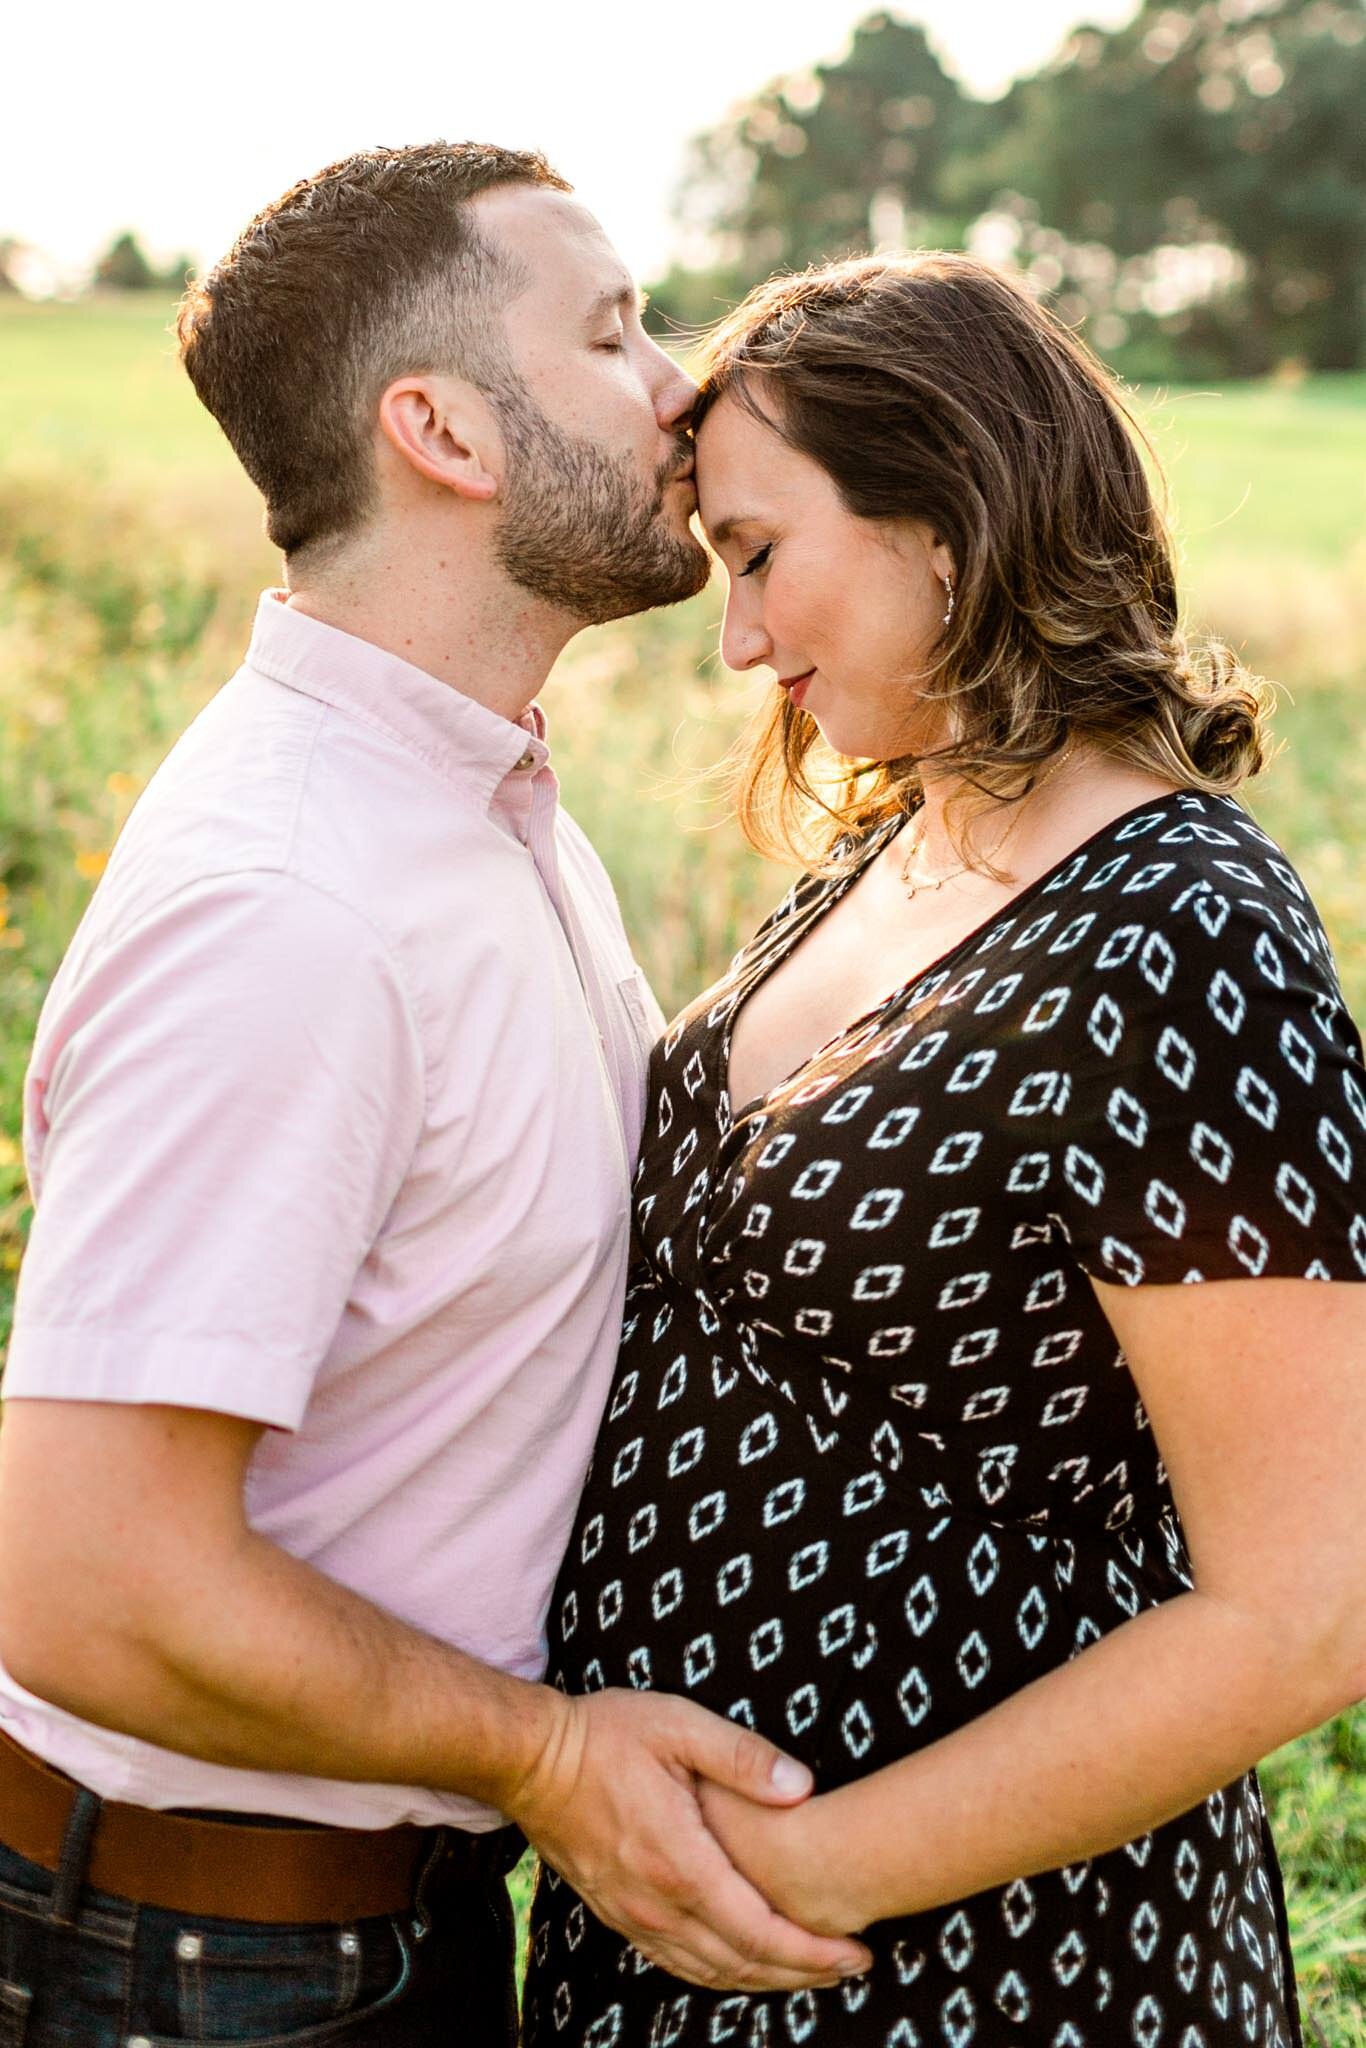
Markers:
(329, 1124)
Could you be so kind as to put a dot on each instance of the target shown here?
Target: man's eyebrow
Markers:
(618, 298)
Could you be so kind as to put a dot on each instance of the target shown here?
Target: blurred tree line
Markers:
(1190, 188)
(123, 267)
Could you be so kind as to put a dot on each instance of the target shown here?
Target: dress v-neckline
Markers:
(754, 974)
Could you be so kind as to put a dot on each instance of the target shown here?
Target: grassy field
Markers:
(130, 554)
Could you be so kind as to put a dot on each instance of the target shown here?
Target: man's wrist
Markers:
(543, 1758)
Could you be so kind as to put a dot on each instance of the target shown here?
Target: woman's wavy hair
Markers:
(931, 386)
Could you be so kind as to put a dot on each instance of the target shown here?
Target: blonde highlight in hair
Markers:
(931, 386)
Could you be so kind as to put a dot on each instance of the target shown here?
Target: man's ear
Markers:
(446, 431)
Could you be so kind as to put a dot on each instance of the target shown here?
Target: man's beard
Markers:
(579, 528)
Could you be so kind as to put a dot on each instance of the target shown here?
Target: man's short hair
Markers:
(371, 269)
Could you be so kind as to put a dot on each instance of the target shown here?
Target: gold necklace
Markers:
(929, 883)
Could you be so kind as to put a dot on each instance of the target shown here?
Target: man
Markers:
(329, 1122)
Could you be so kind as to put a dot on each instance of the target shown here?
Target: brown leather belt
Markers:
(235, 1870)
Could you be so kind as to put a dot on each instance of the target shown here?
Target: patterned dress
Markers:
(873, 1461)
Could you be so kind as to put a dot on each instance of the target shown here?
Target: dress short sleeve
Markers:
(222, 1105)
(1214, 1120)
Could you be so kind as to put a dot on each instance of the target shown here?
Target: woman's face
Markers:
(846, 611)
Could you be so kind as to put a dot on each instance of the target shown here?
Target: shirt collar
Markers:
(462, 741)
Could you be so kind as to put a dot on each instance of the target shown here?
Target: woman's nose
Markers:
(744, 642)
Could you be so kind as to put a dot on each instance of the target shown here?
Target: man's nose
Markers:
(675, 393)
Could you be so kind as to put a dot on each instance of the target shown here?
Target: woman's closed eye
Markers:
(757, 560)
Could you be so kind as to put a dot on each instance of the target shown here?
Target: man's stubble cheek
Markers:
(580, 531)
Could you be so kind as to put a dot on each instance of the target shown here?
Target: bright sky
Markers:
(179, 121)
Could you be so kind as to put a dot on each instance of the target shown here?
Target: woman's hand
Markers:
(791, 1855)
(1257, 1395)
(613, 1803)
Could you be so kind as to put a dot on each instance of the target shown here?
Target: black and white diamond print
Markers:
(872, 1461)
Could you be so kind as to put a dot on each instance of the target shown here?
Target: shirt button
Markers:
(190, 1947)
(528, 760)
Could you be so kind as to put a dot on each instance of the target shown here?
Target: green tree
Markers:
(1204, 127)
(1190, 187)
(178, 272)
(834, 160)
(124, 268)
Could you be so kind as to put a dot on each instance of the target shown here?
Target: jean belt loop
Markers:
(421, 1917)
(75, 1857)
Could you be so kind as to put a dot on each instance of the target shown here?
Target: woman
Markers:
(921, 1457)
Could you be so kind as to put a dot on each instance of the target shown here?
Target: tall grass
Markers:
(126, 590)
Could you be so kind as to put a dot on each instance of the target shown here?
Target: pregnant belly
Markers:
(718, 1553)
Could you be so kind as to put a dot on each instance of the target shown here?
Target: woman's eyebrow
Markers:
(724, 528)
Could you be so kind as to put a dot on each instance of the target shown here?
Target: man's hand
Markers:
(133, 1593)
(792, 1857)
(613, 1805)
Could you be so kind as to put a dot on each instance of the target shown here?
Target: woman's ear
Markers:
(942, 560)
(444, 429)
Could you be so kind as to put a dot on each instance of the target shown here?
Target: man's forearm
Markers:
(136, 1595)
(270, 1665)
(265, 1664)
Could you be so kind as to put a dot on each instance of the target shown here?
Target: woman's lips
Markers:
(796, 686)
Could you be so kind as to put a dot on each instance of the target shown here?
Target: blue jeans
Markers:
(102, 1972)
